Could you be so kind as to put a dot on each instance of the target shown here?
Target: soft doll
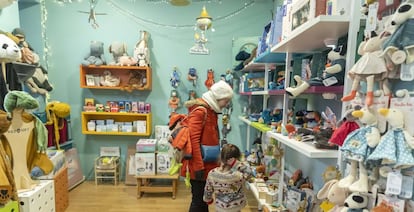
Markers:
(117, 49)
(356, 202)
(335, 73)
(370, 68)
(356, 146)
(39, 82)
(141, 51)
(395, 146)
(96, 54)
(400, 45)
(347, 125)
(334, 194)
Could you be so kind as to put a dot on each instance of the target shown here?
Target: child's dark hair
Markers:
(229, 151)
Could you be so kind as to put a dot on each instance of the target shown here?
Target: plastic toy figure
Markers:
(192, 95)
(175, 78)
(229, 77)
(210, 78)
(192, 76)
(174, 101)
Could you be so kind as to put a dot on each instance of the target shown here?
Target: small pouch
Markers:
(210, 153)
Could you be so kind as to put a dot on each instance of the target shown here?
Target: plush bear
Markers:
(117, 49)
(335, 72)
(96, 55)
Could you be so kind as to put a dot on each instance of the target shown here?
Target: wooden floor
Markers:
(121, 198)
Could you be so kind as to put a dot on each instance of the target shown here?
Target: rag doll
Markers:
(395, 146)
(348, 124)
(357, 145)
(370, 68)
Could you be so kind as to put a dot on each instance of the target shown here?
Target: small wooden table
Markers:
(143, 184)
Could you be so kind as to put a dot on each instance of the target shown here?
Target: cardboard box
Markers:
(163, 163)
(161, 131)
(305, 10)
(146, 145)
(163, 145)
(58, 160)
(145, 163)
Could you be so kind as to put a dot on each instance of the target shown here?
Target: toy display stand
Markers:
(40, 198)
(143, 184)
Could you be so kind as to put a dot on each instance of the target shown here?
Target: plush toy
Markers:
(174, 101)
(370, 68)
(334, 194)
(141, 51)
(126, 61)
(28, 54)
(117, 49)
(395, 146)
(400, 45)
(356, 202)
(357, 147)
(210, 78)
(5, 3)
(10, 51)
(109, 80)
(38, 82)
(192, 76)
(96, 54)
(136, 81)
(332, 75)
(56, 112)
(348, 124)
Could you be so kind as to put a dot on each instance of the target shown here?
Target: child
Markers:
(227, 181)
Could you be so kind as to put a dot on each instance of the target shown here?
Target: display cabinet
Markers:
(142, 126)
(130, 77)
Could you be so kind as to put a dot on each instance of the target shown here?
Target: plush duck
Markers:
(395, 147)
(358, 144)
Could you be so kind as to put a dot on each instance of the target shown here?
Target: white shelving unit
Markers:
(307, 38)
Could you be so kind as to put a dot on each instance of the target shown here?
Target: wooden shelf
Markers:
(311, 35)
(305, 148)
(123, 72)
(117, 117)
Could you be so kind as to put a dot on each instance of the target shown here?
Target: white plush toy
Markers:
(357, 146)
(369, 68)
(356, 202)
(334, 194)
(9, 52)
(396, 145)
(400, 45)
(141, 51)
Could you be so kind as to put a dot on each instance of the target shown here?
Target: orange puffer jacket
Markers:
(203, 130)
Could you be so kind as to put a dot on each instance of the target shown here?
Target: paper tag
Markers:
(406, 105)
(330, 81)
(394, 183)
(407, 188)
(371, 23)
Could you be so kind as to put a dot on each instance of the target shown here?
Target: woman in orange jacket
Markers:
(204, 131)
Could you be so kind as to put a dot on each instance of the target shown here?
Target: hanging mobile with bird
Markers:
(92, 14)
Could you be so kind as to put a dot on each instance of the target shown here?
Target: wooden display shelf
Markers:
(117, 117)
(123, 72)
(143, 184)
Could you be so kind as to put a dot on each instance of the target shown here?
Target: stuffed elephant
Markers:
(96, 55)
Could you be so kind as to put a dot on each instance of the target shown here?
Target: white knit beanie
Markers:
(221, 90)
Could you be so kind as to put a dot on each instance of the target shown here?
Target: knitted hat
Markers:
(18, 33)
(19, 99)
(221, 90)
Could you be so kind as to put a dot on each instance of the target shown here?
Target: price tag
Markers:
(394, 183)
(330, 81)
(407, 188)
(371, 23)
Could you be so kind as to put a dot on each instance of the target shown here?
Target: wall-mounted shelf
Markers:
(256, 125)
(305, 148)
(117, 117)
(123, 72)
(255, 66)
(311, 35)
(310, 90)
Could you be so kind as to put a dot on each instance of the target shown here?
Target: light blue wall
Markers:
(68, 35)
(9, 17)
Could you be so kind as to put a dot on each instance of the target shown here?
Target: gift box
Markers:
(146, 145)
(163, 163)
(145, 163)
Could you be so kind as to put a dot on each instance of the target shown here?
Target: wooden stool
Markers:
(144, 186)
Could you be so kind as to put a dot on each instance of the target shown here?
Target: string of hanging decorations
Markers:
(139, 20)
(43, 20)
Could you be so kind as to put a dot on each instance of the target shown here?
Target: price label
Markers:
(407, 188)
(394, 183)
